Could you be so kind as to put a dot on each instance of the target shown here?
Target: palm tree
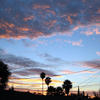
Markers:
(67, 85)
(48, 81)
(42, 75)
(4, 75)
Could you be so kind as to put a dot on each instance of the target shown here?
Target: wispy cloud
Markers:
(95, 64)
(53, 59)
(78, 72)
(20, 61)
(21, 66)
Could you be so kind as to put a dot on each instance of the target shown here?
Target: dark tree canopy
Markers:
(4, 75)
(59, 91)
(51, 91)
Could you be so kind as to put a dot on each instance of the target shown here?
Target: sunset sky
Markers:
(58, 37)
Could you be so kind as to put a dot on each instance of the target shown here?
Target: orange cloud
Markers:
(23, 29)
(31, 84)
(5, 36)
(51, 11)
(37, 6)
(58, 76)
(70, 19)
(51, 23)
(28, 18)
(6, 25)
(97, 31)
(8, 36)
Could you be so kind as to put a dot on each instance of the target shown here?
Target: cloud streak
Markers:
(82, 71)
(21, 66)
(91, 64)
(20, 61)
(52, 59)
(32, 19)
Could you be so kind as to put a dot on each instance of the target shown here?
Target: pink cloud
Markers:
(98, 53)
(28, 18)
(73, 72)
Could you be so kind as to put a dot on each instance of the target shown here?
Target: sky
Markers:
(58, 37)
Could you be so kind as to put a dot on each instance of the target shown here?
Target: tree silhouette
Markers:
(48, 81)
(59, 91)
(4, 75)
(67, 85)
(51, 91)
(42, 75)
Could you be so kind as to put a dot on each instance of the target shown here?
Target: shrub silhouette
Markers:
(4, 75)
(59, 91)
(51, 91)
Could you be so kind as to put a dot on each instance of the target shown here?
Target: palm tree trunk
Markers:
(42, 86)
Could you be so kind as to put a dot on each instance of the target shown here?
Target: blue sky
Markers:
(61, 38)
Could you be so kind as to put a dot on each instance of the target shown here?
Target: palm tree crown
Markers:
(42, 75)
(48, 80)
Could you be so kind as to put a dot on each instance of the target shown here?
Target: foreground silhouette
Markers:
(4, 75)
(15, 95)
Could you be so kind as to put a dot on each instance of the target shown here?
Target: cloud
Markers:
(74, 43)
(35, 18)
(3, 52)
(21, 66)
(20, 61)
(28, 44)
(91, 64)
(52, 59)
(98, 53)
(90, 30)
(28, 18)
(34, 71)
(73, 72)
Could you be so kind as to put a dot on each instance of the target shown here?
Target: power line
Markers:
(85, 81)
